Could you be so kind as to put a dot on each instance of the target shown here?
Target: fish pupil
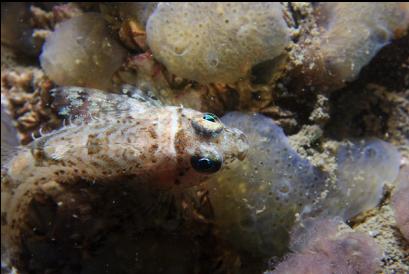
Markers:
(210, 117)
(205, 165)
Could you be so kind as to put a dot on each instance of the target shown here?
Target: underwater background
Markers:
(205, 137)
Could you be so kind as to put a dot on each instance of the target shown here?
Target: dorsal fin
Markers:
(78, 103)
(145, 97)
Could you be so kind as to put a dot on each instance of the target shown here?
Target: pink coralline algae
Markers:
(330, 246)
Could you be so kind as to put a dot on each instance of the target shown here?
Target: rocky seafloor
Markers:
(323, 187)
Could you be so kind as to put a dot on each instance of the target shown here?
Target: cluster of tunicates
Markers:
(330, 246)
(257, 202)
(82, 52)
(220, 43)
(216, 42)
(223, 42)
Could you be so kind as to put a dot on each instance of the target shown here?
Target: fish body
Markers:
(166, 146)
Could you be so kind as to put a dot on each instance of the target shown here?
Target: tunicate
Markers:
(257, 202)
(363, 168)
(216, 42)
(354, 32)
(82, 52)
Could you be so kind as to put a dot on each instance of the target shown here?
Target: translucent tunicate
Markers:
(82, 52)
(257, 202)
(354, 32)
(363, 168)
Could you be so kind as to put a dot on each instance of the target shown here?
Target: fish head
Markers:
(204, 146)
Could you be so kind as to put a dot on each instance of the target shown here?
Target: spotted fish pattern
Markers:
(112, 136)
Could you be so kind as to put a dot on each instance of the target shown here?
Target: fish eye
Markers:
(210, 117)
(208, 124)
(205, 164)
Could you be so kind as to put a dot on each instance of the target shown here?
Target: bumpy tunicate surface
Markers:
(82, 52)
(216, 42)
(257, 202)
(355, 32)
(330, 246)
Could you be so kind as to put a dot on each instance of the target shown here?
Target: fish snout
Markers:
(239, 144)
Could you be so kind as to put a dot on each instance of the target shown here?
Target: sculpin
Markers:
(114, 136)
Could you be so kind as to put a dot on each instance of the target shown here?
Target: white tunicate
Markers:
(82, 52)
(355, 32)
(257, 202)
(363, 169)
(216, 42)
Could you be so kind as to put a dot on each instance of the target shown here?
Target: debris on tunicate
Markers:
(139, 11)
(330, 246)
(82, 52)
(130, 19)
(400, 202)
(216, 42)
(257, 202)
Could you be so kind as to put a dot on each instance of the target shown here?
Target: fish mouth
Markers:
(238, 145)
(243, 146)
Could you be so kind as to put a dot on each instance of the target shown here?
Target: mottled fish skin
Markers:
(81, 103)
(144, 141)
